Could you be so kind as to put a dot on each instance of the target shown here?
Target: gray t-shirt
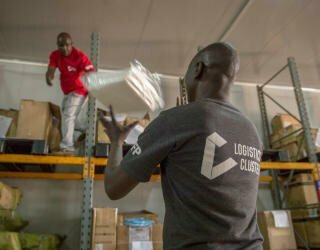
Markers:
(210, 163)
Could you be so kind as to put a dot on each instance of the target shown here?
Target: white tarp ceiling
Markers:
(164, 34)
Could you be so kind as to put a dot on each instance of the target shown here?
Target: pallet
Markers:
(23, 146)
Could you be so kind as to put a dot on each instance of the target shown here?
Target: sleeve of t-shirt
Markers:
(86, 64)
(153, 146)
(52, 60)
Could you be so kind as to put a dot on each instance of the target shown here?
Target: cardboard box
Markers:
(275, 143)
(309, 231)
(155, 236)
(303, 177)
(275, 237)
(38, 120)
(13, 114)
(293, 149)
(104, 228)
(143, 214)
(9, 197)
(312, 211)
(301, 194)
(281, 121)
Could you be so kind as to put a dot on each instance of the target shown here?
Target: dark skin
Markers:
(64, 44)
(209, 75)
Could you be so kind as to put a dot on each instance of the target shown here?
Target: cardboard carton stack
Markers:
(302, 197)
(301, 191)
(102, 137)
(104, 228)
(277, 230)
(39, 121)
(306, 222)
(110, 233)
(285, 136)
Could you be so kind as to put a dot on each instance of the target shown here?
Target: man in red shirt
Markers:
(72, 63)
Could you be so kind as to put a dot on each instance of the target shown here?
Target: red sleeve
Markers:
(86, 64)
(53, 60)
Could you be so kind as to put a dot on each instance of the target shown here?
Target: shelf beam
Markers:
(41, 159)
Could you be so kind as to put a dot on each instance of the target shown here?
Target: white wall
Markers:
(54, 206)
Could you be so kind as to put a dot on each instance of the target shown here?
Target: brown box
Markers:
(304, 177)
(123, 237)
(13, 114)
(292, 149)
(275, 143)
(309, 231)
(281, 121)
(289, 135)
(312, 211)
(101, 135)
(39, 121)
(276, 238)
(104, 228)
(143, 214)
(301, 194)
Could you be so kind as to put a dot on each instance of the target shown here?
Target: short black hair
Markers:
(64, 34)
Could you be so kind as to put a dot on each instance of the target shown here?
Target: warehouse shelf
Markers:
(64, 160)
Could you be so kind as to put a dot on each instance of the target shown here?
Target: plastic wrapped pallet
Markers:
(39, 241)
(9, 241)
(11, 221)
(9, 197)
(130, 90)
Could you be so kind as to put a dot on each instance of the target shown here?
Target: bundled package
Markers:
(9, 197)
(130, 90)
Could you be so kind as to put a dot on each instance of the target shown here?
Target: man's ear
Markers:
(199, 67)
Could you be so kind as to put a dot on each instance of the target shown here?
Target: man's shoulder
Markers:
(78, 52)
(55, 53)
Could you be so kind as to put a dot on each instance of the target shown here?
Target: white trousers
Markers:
(71, 107)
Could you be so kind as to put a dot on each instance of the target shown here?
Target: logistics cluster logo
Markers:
(250, 161)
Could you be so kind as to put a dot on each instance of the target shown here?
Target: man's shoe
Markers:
(63, 152)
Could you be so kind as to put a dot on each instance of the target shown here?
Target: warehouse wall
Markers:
(55, 205)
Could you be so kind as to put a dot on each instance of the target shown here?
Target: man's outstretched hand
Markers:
(116, 132)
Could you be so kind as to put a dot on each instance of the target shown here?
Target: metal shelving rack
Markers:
(88, 167)
(304, 120)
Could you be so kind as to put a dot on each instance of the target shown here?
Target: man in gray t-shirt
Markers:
(209, 155)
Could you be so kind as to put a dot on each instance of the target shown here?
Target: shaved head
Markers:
(64, 43)
(220, 56)
(216, 65)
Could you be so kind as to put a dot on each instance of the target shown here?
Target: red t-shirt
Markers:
(71, 68)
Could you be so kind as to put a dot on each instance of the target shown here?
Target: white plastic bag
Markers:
(130, 90)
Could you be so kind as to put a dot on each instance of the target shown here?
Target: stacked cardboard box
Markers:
(287, 135)
(301, 191)
(277, 230)
(102, 137)
(104, 228)
(155, 233)
(39, 121)
(306, 222)
(110, 233)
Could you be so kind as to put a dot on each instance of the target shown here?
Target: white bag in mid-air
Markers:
(130, 90)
